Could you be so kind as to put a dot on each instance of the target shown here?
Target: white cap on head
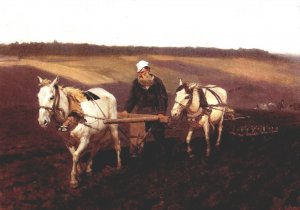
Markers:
(141, 64)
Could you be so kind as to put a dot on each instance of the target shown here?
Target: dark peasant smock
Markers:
(153, 100)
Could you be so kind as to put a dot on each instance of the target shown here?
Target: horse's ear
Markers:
(180, 82)
(55, 81)
(40, 79)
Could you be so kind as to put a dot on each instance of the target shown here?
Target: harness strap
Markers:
(216, 95)
(97, 118)
(56, 108)
(202, 97)
(196, 114)
(203, 101)
(92, 97)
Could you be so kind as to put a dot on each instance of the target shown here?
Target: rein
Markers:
(184, 106)
(96, 118)
(93, 101)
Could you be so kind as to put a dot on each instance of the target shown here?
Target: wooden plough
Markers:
(250, 127)
(137, 118)
(254, 130)
(240, 130)
(132, 128)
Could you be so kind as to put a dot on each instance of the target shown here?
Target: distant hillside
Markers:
(248, 81)
(70, 49)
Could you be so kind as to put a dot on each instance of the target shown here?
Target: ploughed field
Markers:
(248, 172)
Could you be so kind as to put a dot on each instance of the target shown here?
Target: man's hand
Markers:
(124, 114)
(162, 118)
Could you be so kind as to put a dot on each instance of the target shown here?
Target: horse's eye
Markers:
(187, 97)
(52, 97)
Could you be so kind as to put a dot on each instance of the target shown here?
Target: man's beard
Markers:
(146, 79)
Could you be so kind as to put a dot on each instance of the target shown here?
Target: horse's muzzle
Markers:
(175, 115)
(43, 123)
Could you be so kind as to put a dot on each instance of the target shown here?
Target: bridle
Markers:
(185, 87)
(190, 97)
(55, 111)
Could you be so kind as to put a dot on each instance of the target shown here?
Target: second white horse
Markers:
(188, 98)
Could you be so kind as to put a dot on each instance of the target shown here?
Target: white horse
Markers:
(88, 136)
(188, 98)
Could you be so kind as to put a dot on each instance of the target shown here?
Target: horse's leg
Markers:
(72, 150)
(84, 141)
(220, 129)
(89, 169)
(207, 139)
(188, 140)
(117, 144)
(94, 149)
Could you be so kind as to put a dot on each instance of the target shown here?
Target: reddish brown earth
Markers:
(260, 172)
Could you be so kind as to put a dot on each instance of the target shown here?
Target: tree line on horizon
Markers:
(70, 49)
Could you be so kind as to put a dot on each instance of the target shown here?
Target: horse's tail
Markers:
(229, 113)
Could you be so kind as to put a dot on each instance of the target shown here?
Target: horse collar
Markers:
(56, 110)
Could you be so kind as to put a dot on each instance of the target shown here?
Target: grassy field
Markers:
(231, 73)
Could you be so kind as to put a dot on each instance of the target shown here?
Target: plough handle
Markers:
(135, 118)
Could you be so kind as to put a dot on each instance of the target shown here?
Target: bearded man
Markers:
(148, 96)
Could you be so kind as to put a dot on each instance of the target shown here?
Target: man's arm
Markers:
(162, 98)
(132, 99)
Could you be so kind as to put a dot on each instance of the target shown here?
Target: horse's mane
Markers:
(45, 82)
(187, 86)
(74, 93)
(193, 84)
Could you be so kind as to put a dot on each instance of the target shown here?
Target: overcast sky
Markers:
(272, 25)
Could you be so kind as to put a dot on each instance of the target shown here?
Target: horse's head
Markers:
(46, 98)
(182, 99)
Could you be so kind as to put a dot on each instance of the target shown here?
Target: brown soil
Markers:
(247, 173)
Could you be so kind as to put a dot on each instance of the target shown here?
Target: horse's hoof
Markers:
(89, 172)
(191, 155)
(207, 157)
(74, 185)
(204, 160)
(134, 155)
